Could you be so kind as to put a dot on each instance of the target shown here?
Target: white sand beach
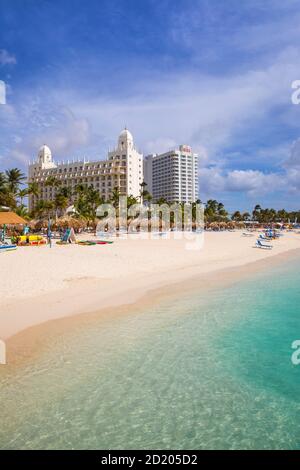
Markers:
(39, 284)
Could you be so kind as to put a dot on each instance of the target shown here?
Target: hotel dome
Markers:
(125, 140)
(44, 154)
(125, 134)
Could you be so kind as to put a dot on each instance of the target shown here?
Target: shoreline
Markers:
(26, 344)
(42, 284)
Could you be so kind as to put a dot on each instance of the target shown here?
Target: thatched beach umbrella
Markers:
(10, 218)
(230, 225)
(222, 225)
(69, 222)
(39, 224)
(214, 226)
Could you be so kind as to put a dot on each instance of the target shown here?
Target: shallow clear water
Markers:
(202, 373)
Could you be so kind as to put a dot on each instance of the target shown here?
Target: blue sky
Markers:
(213, 74)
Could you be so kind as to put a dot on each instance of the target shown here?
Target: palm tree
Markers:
(131, 200)
(222, 213)
(43, 208)
(22, 193)
(80, 188)
(215, 211)
(115, 197)
(210, 210)
(33, 189)
(236, 216)
(143, 191)
(87, 202)
(161, 201)
(94, 199)
(3, 181)
(246, 216)
(283, 216)
(22, 211)
(3, 189)
(65, 191)
(148, 198)
(256, 213)
(15, 178)
(60, 203)
(53, 182)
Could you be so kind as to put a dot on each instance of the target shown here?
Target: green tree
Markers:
(22, 193)
(237, 216)
(115, 197)
(15, 178)
(43, 208)
(86, 202)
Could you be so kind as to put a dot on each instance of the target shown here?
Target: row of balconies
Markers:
(173, 176)
(116, 170)
(86, 177)
(168, 181)
(102, 189)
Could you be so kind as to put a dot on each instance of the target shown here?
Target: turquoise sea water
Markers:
(197, 372)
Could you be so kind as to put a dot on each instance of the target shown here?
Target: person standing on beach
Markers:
(49, 234)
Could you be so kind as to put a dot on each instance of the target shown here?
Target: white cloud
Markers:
(68, 134)
(6, 58)
(201, 110)
(293, 180)
(2, 93)
(252, 183)
(211, 31)
(293, 161)
(163, 144)
(63, 132)
(208, 113)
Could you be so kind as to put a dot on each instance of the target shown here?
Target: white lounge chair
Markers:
(264, 237)
(263, 246)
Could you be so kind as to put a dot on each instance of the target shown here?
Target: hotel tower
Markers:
(123, 169)
(173, 175)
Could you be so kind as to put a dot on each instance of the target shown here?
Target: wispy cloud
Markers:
(6, 58)
(254, 183)
(212, 115)
(217, 76)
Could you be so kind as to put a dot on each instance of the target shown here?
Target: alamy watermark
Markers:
(296, 94)
(2, 352)
(154, 221)
(296, 354)
(2, 92)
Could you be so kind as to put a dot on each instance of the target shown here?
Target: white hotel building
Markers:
(173, 175)
(123, 169)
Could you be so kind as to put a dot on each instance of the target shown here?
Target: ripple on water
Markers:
(206, 373)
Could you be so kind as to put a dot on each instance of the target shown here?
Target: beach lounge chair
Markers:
(4, 248)
(261, 245)
(264, 237)
(68, 237)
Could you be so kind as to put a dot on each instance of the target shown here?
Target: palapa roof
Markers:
(10, 218)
